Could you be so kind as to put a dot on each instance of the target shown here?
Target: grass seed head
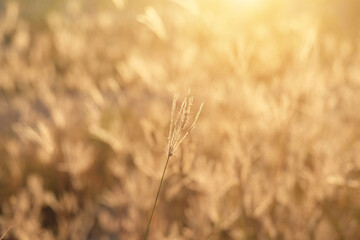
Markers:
(178, 132)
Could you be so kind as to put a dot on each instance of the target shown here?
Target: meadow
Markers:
(86, 92)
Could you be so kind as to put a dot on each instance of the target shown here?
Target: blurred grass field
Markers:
(86, 88)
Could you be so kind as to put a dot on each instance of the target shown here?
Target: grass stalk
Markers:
(5, 233)
(157, 197)
(177, 133)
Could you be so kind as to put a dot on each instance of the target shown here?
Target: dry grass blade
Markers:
(153, 21)
(175, 138)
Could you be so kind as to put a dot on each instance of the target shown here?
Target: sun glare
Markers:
(248, 3)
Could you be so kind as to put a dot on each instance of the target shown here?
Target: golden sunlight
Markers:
(96, 144)
(248, 3)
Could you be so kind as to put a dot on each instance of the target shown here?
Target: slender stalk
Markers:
(157, 196)
(6, 232)
(176, 130)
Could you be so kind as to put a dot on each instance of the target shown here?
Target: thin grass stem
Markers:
(5, 233)
(157, 196)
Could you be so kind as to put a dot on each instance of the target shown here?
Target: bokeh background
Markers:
(85, 98)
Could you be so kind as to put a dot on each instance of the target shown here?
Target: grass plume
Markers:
(177, 134)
